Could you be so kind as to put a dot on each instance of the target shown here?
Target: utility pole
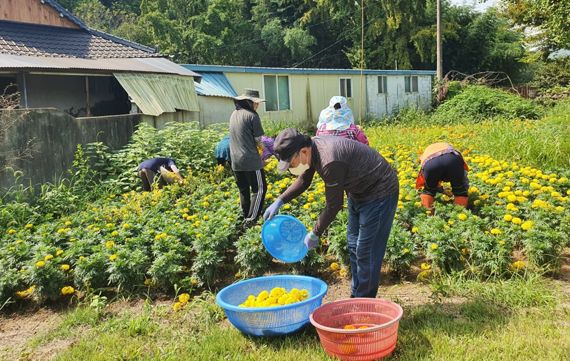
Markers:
(439, 68)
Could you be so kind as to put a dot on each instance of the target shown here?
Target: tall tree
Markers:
(550, 17)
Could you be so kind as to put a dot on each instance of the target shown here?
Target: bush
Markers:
(477, 103)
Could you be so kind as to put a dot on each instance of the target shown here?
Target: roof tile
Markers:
(24, 39)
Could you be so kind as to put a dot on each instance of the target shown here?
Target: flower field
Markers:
(188, 237)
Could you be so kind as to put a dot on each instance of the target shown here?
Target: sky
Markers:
(478, 5)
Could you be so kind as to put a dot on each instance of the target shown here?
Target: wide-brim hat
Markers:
(250, 94)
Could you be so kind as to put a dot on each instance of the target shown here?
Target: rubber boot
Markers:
(427, 202)
(462, 201)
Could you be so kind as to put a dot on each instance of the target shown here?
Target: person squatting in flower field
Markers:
(245, 137)
(164, 167)
(372, 188)
(337, 119)
(440, 162)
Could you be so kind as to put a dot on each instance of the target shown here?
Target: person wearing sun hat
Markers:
(245, 136)
(372, 188)
(337, 120)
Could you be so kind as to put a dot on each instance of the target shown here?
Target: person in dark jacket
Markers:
(245, 138)
(372, 188)
(150, 168)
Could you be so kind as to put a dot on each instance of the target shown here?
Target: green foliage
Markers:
(312, 34)
(549, 16)
(251, 256)
(476, 103)
(552, 73)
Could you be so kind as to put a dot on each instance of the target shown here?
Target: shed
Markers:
(299, 94)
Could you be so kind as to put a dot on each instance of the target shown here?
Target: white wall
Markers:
(396, 98)
(309, 94)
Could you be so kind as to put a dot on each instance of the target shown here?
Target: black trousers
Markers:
(447, 168)
(252, 187)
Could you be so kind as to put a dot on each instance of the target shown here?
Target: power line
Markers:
(330, 46)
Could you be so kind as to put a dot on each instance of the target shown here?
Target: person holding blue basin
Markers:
(372, 188)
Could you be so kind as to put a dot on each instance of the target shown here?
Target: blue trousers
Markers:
(369, 225)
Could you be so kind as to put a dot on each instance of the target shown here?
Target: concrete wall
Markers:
(309, 94)
(159, 122)
(396, 97)
(54, 136)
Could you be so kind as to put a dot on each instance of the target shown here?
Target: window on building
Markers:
(382, 85)
(346, 87)
(276, 92)
(411, 84)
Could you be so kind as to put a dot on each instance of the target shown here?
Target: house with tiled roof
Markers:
(55, 61)
(75, 85)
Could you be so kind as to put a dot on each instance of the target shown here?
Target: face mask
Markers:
(300, 169)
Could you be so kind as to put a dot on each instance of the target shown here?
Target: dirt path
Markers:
(16, 330)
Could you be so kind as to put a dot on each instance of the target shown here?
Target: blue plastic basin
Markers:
(283, 238)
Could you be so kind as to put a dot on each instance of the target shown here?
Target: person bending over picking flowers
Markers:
(441, 162)
(372, 188)
(162, 166)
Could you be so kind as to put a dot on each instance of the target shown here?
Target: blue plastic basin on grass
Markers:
(271, 321)
(283, 237)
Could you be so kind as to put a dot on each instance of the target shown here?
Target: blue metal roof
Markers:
(261, 70)
(214, 84)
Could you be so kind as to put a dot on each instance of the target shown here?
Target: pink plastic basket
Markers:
(378, 340)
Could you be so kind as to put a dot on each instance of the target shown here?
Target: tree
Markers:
(550, 17)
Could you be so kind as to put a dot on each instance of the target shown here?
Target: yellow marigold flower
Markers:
(48, 257)
(508, 217)
(126, 226)
(184, 298)
(496, 231)
(516, 220)
(11, 231)
(518, 265)
(527, 225)
(424, 275)
(28, 226)
(206, 218)
(415, 229)
(109, 244)
(65, 267)
(405, 251)
(334, 266)
(113, 257)
(434, 246)
(462, 216)
(177, 306)
(425, 266)
(114, 233)
(59, 252)
(67, 290)
(343, 272)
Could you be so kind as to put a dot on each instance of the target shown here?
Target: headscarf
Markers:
(336, 119)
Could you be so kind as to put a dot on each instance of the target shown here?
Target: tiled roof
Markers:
(51, 41)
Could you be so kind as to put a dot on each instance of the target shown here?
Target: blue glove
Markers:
(311, 240)
(272, 210)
